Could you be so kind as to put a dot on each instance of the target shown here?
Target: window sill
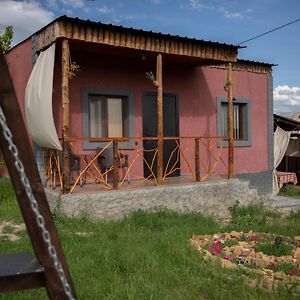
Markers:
(87, 145)
(236, 144)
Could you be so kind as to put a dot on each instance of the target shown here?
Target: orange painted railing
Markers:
(189, 158)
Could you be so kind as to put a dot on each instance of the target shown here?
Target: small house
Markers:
(176, 108)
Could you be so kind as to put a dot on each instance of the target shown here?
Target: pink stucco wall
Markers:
(253, 86)
(196, 86)
(19, 61)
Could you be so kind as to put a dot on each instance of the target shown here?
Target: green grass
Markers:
(147, 255)
(290, 190)
(271, 248)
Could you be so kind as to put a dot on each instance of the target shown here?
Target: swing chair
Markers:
(48, 268)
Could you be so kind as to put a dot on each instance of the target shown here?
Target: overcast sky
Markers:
(228, 21)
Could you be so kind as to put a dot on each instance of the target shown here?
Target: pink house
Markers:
(174, 124)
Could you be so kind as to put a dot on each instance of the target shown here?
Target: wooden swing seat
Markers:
(20, 271)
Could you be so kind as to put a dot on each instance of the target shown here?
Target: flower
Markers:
(228, 257)
(241, 261)
(293, 272)
(217, 243)
(254, 237)
(73, 69)
(244, 237)
(150, 76)
(227, 85)
(215, 250)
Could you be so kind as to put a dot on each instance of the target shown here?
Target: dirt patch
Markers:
(9, 230)
(83, 233)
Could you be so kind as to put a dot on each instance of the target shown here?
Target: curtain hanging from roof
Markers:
(281, 141)
(293, 148)
(38, 101)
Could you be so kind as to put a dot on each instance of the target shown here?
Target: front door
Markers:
(171, 128)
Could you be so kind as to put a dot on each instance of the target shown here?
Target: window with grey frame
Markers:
(242, 120)
(107, 113)
(108, 116)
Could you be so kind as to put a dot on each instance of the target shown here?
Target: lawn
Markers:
(148, 255)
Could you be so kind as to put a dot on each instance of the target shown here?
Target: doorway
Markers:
(171, 128)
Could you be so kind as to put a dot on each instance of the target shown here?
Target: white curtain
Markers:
(293, 148)
(38, 101)
(281, 141)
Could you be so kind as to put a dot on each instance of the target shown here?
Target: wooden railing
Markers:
(185, 158)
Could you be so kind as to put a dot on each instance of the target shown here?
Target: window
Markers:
(241, 120)
(107, 113)
(106, 118)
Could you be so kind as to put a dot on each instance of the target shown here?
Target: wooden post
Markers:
(230, 121)
(65, 115)
(115, 165)
(197, 160)
(160, 129)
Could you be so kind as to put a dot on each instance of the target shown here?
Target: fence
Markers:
(120, 165)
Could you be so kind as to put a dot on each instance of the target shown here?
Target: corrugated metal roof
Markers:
(256, 62)
(286, 123)
(118, 36)
(159, 34)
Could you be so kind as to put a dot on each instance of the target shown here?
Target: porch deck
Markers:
(147, 184)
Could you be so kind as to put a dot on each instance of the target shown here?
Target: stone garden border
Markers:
(243, 251)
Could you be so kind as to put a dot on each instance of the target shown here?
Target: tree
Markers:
(6, 39)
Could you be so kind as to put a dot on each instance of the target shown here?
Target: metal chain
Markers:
(34, 205)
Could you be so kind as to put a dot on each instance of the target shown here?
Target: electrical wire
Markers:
(269, 31)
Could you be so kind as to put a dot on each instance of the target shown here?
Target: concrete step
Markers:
(283, 204)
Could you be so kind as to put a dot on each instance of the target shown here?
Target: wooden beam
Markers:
(160, 124)
(230, 121)
(197, 159)
(66, 174)
(115, 165)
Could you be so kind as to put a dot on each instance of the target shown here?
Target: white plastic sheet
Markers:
(293, 148)
(281, 141)
(38, 101)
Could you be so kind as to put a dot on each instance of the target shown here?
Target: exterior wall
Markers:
(19, 60)
(255, 87)
(197, 87)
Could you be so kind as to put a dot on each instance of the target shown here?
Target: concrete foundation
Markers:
(209, 198)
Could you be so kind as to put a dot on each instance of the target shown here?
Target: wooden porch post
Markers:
(197, 159)
(160, 130)
(230, 121)
(65, 115)
(115, 165)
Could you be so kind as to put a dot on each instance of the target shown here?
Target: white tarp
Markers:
(281, 141)
(293, 148)
(38, 101)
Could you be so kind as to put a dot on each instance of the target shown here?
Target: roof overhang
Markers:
(118, 36)
(286, 123)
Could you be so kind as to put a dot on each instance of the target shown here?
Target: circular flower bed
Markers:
(275, 258)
